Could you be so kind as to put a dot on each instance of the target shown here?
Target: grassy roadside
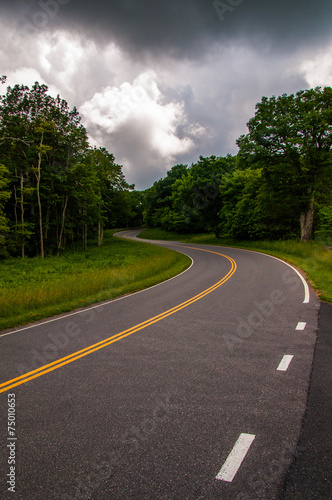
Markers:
(33, 289)
(314, 260)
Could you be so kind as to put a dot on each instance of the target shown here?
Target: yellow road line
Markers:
(5, 386)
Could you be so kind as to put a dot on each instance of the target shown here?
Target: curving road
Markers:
(193, 389)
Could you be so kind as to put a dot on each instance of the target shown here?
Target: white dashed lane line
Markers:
(284, 363)
(242, 445)
(235, 458)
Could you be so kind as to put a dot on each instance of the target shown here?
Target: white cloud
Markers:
(28, 76)
(139, 124)
(318, 69)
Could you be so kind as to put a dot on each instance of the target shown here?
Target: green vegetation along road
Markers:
(314, 260)
(35, 288)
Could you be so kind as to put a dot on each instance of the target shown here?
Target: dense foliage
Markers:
(55, 189)
(278, 186)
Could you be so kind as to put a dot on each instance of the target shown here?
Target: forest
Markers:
(278, 186)
(56, 191)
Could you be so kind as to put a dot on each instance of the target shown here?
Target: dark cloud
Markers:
(210, 62)
(180, 28)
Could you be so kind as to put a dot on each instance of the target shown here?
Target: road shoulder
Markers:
(310, 475)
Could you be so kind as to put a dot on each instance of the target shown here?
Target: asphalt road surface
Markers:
(193, 389)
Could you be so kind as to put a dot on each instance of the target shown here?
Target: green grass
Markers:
(313, 259)
(35, 288)
(161, 234)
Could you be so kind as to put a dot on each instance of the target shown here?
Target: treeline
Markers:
(279, 185)
(55, 189)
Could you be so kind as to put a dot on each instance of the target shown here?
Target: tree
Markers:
(114, 205)
(290, 138)
(40, 137)
(61, 188)
(135, 203)
(248, 211)
(188, 199)
(4, 196)
(158, 201)
(196, 197)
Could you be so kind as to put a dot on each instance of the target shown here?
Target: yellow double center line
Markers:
(100, 345)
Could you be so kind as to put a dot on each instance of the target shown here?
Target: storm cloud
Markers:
(184, 28)
(158, 83)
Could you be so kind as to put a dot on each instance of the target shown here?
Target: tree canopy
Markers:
(55, 189)
(280, 178)
(290, 138)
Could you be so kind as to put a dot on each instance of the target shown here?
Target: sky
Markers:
(159, 82)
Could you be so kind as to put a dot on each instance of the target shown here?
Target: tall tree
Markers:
(158, 199)
(40, 138)
(196, 197)
(290, 138)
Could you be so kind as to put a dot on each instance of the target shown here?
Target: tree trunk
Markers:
(306, 221)
(38, 198)
(62, 224)
(47, 220)
(15, 211)
(85, 237)
(22, 216)
(85, 230)
(100, 234)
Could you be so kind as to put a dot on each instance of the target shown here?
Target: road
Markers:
(193, 389)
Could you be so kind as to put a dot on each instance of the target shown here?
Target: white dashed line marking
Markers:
(284, 363)
(235, 458)
(300, 326)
